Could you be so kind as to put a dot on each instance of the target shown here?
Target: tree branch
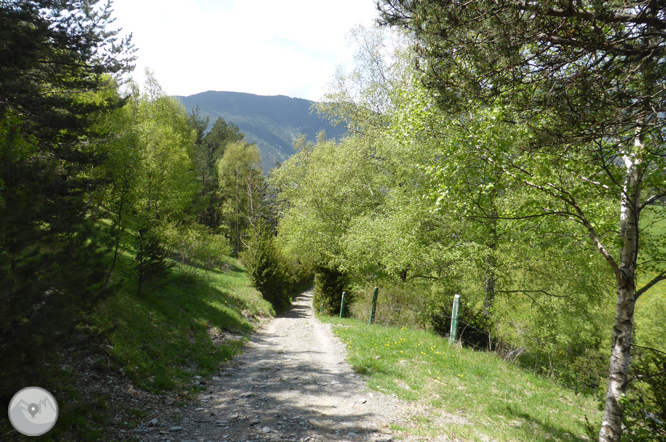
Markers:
(649, 285)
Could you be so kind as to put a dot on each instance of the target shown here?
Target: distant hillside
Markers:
(270, 122)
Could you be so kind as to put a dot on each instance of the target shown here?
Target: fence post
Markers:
(374, 306)
(454, 319)
(342, 305)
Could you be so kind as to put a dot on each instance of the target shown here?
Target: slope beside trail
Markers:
(291, 383)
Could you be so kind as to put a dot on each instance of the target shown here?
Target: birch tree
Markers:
(242, 188)
(587, 80)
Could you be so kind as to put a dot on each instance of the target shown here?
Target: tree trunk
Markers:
(120, 230)
(488, 299)
(489, 286)
(611, 426)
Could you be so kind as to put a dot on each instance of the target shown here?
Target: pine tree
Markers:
(59, 70)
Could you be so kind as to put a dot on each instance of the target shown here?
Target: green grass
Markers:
(493, 398)
(161, 340)
(169, 333)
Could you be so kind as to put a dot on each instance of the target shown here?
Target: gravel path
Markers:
(292, 383)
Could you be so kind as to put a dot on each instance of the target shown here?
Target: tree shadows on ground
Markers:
(296, 392)
(545, 427)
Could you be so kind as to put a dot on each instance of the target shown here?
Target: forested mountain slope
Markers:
(272, 122)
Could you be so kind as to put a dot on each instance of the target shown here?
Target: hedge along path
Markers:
(292, 383)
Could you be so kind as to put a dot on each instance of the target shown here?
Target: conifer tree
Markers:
(60, 67)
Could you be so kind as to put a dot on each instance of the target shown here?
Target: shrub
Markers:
(645, 406)
(194, 246)
(151, 257)
(267, 268)
(473, 326)
(328, 287)
(398, 304)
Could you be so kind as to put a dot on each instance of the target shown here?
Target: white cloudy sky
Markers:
(265, 47)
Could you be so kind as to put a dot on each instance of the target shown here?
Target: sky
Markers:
(264, 47)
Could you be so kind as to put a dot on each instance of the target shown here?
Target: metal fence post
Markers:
(374, 306)
(454, 319)
(342, 305)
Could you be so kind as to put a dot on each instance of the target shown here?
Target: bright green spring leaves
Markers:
(324, 188)
(156, 157)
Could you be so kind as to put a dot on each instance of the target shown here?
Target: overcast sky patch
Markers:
(263, 47)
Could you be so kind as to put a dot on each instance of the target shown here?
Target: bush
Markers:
(328, 287)
(194, 246)
(268, 270)
(151, 257)
(473, 326)
(398, 304)
(645, 406)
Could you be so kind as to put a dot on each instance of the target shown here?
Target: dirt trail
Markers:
(291, 383)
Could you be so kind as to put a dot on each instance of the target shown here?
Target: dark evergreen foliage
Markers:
(208, 151)
(266, 267)
(593, 70)
(54, 56)
(269, 270)
(328, 287)
(151, 257)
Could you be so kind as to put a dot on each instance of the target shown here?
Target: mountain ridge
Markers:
(272, 122)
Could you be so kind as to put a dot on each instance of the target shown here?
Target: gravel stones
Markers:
(292, 383)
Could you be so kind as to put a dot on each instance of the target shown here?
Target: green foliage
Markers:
(150, 176)
(241, 190)
(270, 271)
(206, 154)
(329, 283)
(321, 190)
(181, 328)
(56, 82)
(473, 326)
(363, 97)
(192, 247)
(266, 266)
(645, 407)
(151, 257)
(591, 109)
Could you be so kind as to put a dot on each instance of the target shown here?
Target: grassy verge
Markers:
(185, 325)
(472, 396)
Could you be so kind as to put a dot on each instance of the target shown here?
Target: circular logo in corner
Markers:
(33, 411)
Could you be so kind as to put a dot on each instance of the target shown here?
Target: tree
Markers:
(242, 188)
(151, 181)
(375, 98)
(587, 79)
(266, 267)
(363, 96)
(51, 52)
(208, 150)
(60, 69)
